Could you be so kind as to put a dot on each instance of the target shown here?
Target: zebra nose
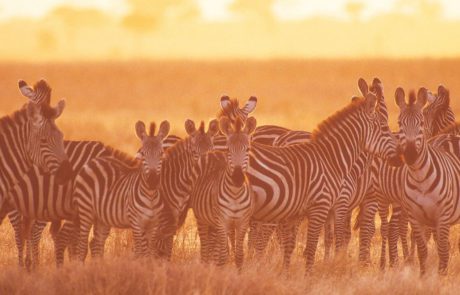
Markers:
(238, 176)
(410, 153)
(64, 172)
(153, 179)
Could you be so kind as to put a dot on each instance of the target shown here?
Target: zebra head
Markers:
(238, 144)
(45, 145)
(411, 123)
(201, 141)
(151, 153)
(437, 115)
(378, 138)
(231, 109)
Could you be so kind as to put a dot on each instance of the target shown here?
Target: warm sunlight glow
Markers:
(213, 29)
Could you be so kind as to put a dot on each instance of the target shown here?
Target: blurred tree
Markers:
(46, 41)
(425, 8)
(254, 9)
(146, 15)
(354, 9)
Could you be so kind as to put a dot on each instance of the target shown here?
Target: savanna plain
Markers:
(105, 99)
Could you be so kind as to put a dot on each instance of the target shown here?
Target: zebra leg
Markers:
(341, 212)
(203, 231)
(66, 237)
(403, 229)
(442, 235)
(262, 238)
(383, 213)
(289, 235)
(140, 242)
(221, 243)
(239, 242)
(97, 244)
(393, 235)
(27, 229)
(16, 222)
(420, 237)
(316, 221)
(347, 233)
(328, 236)
(82, 249)
(366, 224)
(37, 230)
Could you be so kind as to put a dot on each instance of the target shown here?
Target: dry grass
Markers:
(104, 102)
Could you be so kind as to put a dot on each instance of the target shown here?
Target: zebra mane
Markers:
(122, 156)
(152, 129)
(18, 116)
(178, 148)
(234, 104)
(335, 120)
(451, 129)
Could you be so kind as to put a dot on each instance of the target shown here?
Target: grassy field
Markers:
(104, 101)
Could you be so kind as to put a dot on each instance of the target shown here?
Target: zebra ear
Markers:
(250, 105)
(225, 102)
(422, 97)
(442, 91)
(140, 130)
(371, 100)
(225, 126)
(431, 97)
(213, 128)
(400, 98)
(26, 90)
(190, 127)
(59, 108)
(164, 129)
(377, 87)
(355, 99)
(250, 126)
(363, 88)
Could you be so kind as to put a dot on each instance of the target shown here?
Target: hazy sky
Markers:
(216, 29)
(217, 10)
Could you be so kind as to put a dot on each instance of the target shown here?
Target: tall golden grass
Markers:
(104, 100)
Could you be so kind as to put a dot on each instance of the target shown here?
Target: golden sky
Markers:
(213, 29)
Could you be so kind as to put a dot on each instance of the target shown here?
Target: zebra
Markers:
(351, 192)
(221, 198)
(118, 191)
(177, 177)
(39, 197)
(303, 180)
(176, 181)
(428, 198)
(386, 189)
(30, 137)
(265, 134)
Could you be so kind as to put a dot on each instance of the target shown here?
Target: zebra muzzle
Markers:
(410, 153)
(238, 176)
(64, 173)
(153, 180)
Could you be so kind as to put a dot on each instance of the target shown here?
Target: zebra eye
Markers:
(43, 140)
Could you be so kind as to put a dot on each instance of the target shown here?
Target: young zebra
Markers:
(120, 192)
(431, 182)
(221, 198)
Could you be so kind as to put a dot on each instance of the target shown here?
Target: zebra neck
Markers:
(228, 186)
(423, 164)
(340, 151)
(14, 134)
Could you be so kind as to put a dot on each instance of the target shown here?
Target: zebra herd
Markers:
(238, 178)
